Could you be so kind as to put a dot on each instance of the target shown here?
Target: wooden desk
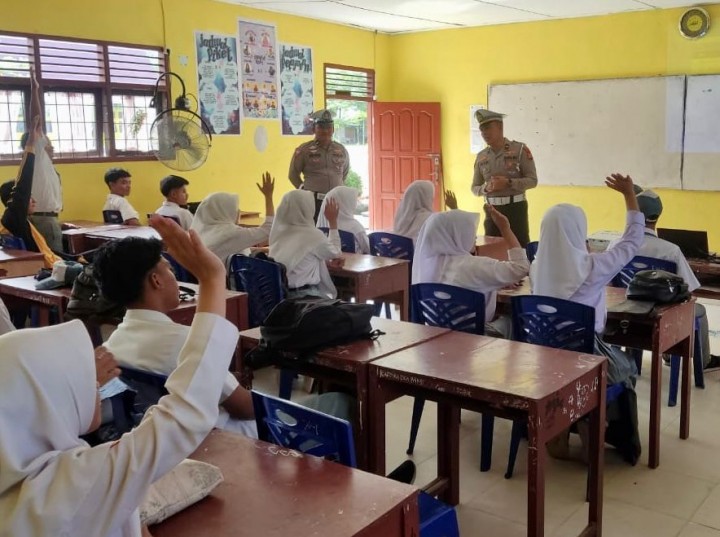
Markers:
(494, 247)
(704, 268)
(348, 365)
(369, 277)
(550, 388)
(669, 329)
(75, 237)
(77, 224)
(249, 214)
(275, 492)
(19, 262)
(251, 221)
(95, 237)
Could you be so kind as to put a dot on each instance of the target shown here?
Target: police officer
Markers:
(503, 171)
(323, 163)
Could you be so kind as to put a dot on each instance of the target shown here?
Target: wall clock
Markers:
(694, 23)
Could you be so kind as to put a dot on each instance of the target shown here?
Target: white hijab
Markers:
(294, 235)
(216, 223)
(445, 234)
(347, 200)
(562, 262)
(48, 387)
(415, 208)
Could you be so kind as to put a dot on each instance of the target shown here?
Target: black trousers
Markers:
(517, 214)
(318, 204)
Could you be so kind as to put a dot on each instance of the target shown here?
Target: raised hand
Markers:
(332, 210)
(498, 218)
(620, 183)
(450, 199)
(268, 185)
(106, 368)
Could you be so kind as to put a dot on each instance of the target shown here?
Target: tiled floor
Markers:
(681, 498)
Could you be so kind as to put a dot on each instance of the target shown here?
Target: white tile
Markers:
(709, 512)
(474, 522)
(696, 530)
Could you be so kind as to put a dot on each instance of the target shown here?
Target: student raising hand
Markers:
(450, 200)
(332, 210)
(624, 185)
(503, 224)
(106, 368)
(267, 188)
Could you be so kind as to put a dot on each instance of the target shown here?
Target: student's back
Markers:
(347, 200)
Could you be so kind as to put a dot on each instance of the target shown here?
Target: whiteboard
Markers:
(579, 132)
(701, 165)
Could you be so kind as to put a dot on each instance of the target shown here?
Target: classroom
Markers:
(453, 69)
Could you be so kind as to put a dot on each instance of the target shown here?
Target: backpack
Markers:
(301, 326)
(657, 286)
(86, 302)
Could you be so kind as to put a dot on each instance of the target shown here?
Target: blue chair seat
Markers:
(112, 217)
(383, 244)
(181, 273)
(347, 240)
(12, 242)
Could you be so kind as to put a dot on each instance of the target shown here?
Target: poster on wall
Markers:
(258, 67)
(296, 89)
(218, 82)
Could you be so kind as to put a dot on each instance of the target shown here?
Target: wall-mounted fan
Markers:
(180, 138)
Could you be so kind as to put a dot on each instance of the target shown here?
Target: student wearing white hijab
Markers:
(443, 254)
(416, 206)
(301, 247)
(6, 324)
(347, 199)
(216, 222)
(52, 482)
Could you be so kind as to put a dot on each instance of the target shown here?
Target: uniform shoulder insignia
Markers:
(527, 153)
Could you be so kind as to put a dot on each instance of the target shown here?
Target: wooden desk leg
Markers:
(448, 458)
(43, 315)
(405, 305)
(376, 426)
(596, 457)
(536, 476)
(687, 359)
(363, 418)
(655, 389)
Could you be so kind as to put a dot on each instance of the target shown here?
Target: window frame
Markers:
(347, 96)
(104, 91)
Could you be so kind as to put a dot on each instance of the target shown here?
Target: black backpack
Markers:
(301, 326)
(87, 304)
(657, 286)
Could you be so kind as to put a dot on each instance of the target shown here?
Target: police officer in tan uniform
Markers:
(324, 164)
(503, 171)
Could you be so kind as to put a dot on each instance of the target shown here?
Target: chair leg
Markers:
(486, 442)
(674, 379)
(698, 359)
(418, 407)
(287, 377)
(518, 431)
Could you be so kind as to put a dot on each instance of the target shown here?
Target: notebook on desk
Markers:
(691, 243)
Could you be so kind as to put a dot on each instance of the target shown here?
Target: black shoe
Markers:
(405, 473)
(714, 362)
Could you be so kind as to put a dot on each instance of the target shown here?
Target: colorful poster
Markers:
(218, 88)
(296, 89)
(258, 64)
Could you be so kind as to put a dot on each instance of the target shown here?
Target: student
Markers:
(174, 188)
(443, 255)
(133, 273)
(416, 206)
(563, 268)
(118, 181)
(216, 222)
(347, 199)
(53, 483)
(302, 248)
(651, 206)
(19, 204)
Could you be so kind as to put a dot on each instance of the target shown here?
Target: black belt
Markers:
(37, 213)
(304, 287)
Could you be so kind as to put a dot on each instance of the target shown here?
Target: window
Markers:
(95, 95)
(349, 83)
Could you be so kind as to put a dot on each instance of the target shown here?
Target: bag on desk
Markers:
(657, 286)
(302, 325)
(86, 302)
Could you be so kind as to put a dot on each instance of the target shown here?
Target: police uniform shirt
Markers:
(514, 161)
(322, 168)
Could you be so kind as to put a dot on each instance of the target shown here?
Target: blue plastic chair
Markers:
(531, 249)
(149, 387)
(383, 244)
(112, 217)
(175, 218)
(12, 242)
(639, 263)
(347, 240)
(309, 431)
(181, 273)
(557, 323)
(447, 306)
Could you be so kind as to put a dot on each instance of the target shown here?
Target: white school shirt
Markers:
(309, 270)
(151, 341)
(46, 188)
(605, 266)
(169, 208)
(653, 246)
(119, 203)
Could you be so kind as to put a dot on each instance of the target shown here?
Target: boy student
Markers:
(173, 187)
(118, 181)
(16, 196)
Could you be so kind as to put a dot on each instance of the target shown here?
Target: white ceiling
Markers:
(394, 16)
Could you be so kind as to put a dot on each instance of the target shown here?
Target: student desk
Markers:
(494, 247)
(76, 224)
(704, 268)
(76, 237)
(348, 365)
(669, 328)
(550, 388)
(369, 277)
(19, 262)
(95, 237)
(270, 491)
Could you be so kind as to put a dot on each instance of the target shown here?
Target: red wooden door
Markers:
(405, 146)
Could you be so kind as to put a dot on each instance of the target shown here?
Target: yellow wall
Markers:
(233, 164)
(455, 67)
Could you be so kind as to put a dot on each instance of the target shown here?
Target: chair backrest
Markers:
(12, 242)
(447, 306)
(639, 263)
(262, 281)
(531, 249)
(347, 240)
(553, 322)
(390, 245)
(303, 429)
(177, 220)
(149, 387)
(181, 273)
(112, 217)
